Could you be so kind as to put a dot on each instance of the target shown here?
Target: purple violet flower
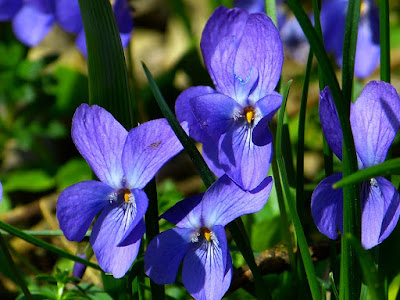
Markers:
(244, 57)
(69, 17)
(333, 17)
(375, 120)
(31, 19)
(124, 162)
(199, 238)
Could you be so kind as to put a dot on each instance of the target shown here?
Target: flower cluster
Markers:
(33, 19)
(243, 54)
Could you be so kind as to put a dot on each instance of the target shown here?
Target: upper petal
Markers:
(148, 147)
(107, 233)
(165, 253)
(375, 120)
(327, 206)
(184, 213)
(8, 8)
(260, 51)
(204, 266)
(244, 161)
(223, 22)
(68, 15)
(330, 122)
(252, 6)
(77, 206)
(380, 211)
(100, 140)
(215, 113)
(32, 23)
(224, 201)
(184, 112)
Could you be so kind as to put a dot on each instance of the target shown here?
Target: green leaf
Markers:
(108, 77)
(28, 180)
(75, 170)
(384, 39)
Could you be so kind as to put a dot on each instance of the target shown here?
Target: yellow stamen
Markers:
(127, 194)
(249, 112)
(363, 8)
(207, 234)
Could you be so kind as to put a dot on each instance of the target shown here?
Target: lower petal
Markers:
(204, 266)
(107, 234)
(77, 206)
(165, 253)
(31, 24)
(380, 211)
(243, 161)
(327, 206)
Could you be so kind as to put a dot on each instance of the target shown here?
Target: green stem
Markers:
(14, 268)
(152, 229)
(270, 9)
(30, 239)
(301, 238)
(384, 39)
(283, 214)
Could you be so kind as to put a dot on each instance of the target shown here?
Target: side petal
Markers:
(106, 234)
(222, 23)
(68, 15)
(165, 253)
(260, 51)
(123, 16)
(80, 43)
(32, 23)
(375, 120)
(330, 122)
(184, 213)
(100, 140)
(8, 8)
(77, 206)
(204, 265)
(327, 206)
(245, 162)
(148, 147)
(380, 211)
(184, 111)
(224, 201)
(215, 113)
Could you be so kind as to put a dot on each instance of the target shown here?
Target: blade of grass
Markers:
(384, 39)
(301, 238)
(19, 279)
(270, 9)
(236, 227)
(152, 229)
(30, 239)
(108, 78)
(389, 167)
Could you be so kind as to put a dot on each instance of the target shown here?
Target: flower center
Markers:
(208, 235)
(373, 182)
(127, 195)
(363, 8)
(122, 196)
(249, 113)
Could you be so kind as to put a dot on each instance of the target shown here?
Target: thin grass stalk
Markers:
(152, 229)
(283, 215)
(384, 39)
(301, 238)
(30, 239)
(270, 10)
(14, 268)
(350, 282)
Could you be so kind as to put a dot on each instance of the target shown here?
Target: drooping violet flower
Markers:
(69, 17)
(243, 55)
(124, 162)
(375, 120)
(79, 269)
(31, 19)
(333, 17)
(199, 238)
